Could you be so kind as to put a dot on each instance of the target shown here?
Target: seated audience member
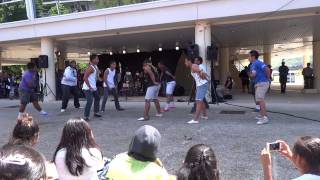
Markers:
(77, 156)
(140, 162)
(19, 162)
(200, 164)
(25, 132)
(305, 155)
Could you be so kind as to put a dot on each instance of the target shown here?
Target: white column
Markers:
(48, 49)
(30, 8)
(267, 58)
(224, 64)
(316, 64)
(203, 39)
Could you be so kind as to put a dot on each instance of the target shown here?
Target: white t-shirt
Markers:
(93, 159)
(308, 177)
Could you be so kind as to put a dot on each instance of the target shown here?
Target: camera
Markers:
(275, 146)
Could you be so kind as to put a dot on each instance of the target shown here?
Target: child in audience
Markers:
(21, 162)
(305, 155)
(140, 162)
(200, 164)
(77, 156)
(25, 132)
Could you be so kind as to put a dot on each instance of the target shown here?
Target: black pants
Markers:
(283, 87)
(193, 110)
(106, 95)
(308, 82)
(66, 90)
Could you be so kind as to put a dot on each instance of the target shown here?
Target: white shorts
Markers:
(261, 90)
(170, 87)
(152, 92)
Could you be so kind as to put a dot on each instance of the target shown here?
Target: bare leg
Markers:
(157, 104)
(204, 110)
(22, 108)
(198, 110)
(37, 106)
(263, 110)
(146, 109)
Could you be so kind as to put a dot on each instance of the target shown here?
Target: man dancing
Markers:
(153, 86)
(261, 75)
(69, 84)
(90, 87)
(168, 78)
(110, 85)
(202, 86)
(27, 90)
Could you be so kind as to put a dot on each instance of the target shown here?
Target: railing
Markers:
(15, 10)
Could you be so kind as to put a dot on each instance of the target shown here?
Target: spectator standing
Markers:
(283, 73)
(244, 79)
(69, 84)
(308, 76)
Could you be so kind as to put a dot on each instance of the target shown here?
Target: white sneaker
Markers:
(63, 110)
(259, 117)
(43, 113)
(193, 122)
(142, 119)
(159, 115)
(263, 120)
(205, 117)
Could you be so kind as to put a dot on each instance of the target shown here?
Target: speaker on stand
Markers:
(43, 64)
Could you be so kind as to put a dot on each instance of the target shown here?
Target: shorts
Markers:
(152, 92)
(27, 97)
(260, 90)
(170, 87)
(201, 92)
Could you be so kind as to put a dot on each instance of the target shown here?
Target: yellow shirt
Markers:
(124, 167)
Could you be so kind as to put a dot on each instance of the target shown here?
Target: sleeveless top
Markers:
(148, 80)
(167, 78)
(197, 78)
(109, 79)
(92, 79)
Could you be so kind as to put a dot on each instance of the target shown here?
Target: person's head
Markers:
(113, 65)
(308, 64)
(94, 59)
(200, 163)
(73, 64)
(161, 65)
(146, 64)
(188, 62)
(269, 66)
(31, 66)
(283, 63)
(198, 60)
(25, 132)
(21, 162)
(145, 144)
(246, 67)
(306, 155)
(253, 55)
(76, 134)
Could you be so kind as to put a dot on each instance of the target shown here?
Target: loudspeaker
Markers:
(43, 61)
(212, 53)
(35, 61)
(193, 51)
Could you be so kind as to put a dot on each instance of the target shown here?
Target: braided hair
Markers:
(200, 164)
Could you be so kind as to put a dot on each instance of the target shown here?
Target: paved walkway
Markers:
(235, 138)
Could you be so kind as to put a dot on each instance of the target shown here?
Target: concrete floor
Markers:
(236, 139)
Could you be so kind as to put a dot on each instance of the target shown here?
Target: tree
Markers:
(63, 10)
(13, 12)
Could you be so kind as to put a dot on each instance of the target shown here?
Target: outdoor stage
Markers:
(235, 137)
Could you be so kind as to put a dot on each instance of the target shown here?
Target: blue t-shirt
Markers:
(259, 67)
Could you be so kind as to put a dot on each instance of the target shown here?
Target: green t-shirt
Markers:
(124, 167)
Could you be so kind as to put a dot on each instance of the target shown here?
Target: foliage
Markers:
(15, 69)
(13, 12)
(63, 10)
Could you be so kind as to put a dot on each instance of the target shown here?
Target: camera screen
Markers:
(274, 146)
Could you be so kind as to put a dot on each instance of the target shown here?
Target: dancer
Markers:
(69, 84)
(90, 87)
(153, 87)
(27, 90)
(168, 78)
(261, 75)
(110, 84)
(201, 89)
